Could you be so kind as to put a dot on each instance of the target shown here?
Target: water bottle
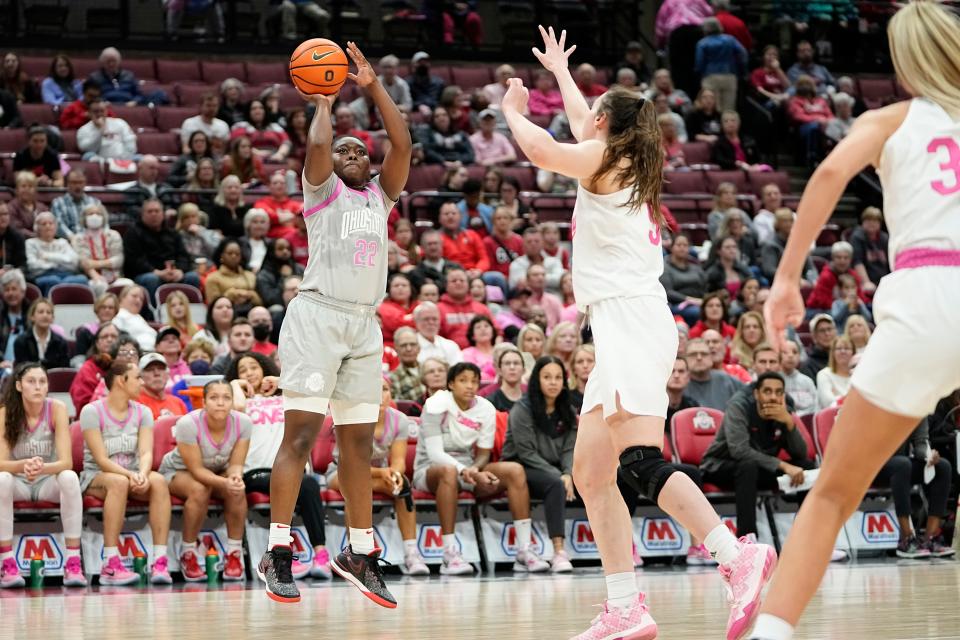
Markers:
(212, 561)
(140, 566)
(36, 571)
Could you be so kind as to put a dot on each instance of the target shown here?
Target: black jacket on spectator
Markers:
(872, 254)
(47, 165)
(13, 248)
(725, 155)
(6, 328)
(817, 359)
(450, 147)
(717, 277)
(425, 89)
(686, 402)
(145, 250)
(25, 349)
(9, 111)
(270, 282)
(699, 122)
(224, 221)
(423, 272)
(122, 87)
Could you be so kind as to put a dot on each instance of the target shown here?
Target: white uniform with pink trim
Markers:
(617, 262)
(331, 345)
(911, 359)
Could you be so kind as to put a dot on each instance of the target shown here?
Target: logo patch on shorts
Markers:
(315, 382)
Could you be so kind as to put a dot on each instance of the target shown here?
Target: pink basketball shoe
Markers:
(114, 574)
(745, 577)
(631, 623)
(73, 573)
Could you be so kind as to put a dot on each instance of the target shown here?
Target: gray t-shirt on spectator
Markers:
(715, 392)
(193, 428)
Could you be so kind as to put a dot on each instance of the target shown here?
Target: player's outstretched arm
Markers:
(578, 161)
(396, 164)
(319, 161)
(555, 60)
(860, 149)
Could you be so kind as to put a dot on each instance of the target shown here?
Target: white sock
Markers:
(109, 552)
(523, 534)
(361, 541)
(449, 541)
(8, 553)
(279, 535)
(73, 552)
(770, 627)
(410, 546)
(622, 589)
(234, 545)
(722, 544)
(159, 551)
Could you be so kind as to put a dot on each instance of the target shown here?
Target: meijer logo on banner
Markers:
(301, 545)
(430, 541)
(581, 537)
(128, 546)
(879, 527)
(41, 544)
(661, 534)
(508, 540)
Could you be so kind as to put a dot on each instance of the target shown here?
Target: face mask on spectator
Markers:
(94, 221)
(261, 332)
(200, 367)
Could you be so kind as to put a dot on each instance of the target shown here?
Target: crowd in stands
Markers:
(481, 305)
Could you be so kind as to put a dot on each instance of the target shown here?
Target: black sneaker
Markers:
(912, 549)
(937, 549)
(364, 572)
(274, 570)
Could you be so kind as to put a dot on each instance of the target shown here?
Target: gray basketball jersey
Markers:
(194, 429)
(347, 237)
(119, 438)
(39, 439)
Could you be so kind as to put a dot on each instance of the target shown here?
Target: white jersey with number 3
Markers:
(920, 173)
(616, 251)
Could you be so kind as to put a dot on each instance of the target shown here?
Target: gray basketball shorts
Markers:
(332, 350)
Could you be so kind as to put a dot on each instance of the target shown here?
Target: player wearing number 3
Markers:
(912, 357)
(330, 343)
(617, 262)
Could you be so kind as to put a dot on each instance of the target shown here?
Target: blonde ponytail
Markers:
(925, 47)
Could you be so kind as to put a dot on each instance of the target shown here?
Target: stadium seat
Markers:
(526, 176)
(37, 113)
(696, 152)
(444, 72)
(468, 78)
(69, 138)
(142, 68)
(698, 232)
(217, 72)
(91, 170)
(684, 182)
(822, 426)
(152, 86)
(59, 381)
(759, 179)
(158, 143)
(424, 177)
(409, 408)
(35, 66)
(829, 234)
(139, 118)
(807, 438)
(163, 439)
(73, 306)
(692, 431)
(554, 208)
(737, 177)
(178, 71)
(189, 94)
(877, 92)
(170, 118)
(266, 72)
(32, 292)
(684, 210)
(76, 446)
(198, 309)
(12, 140)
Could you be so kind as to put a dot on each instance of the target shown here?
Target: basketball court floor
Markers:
(866, 600)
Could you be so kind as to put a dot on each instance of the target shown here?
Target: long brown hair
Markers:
(15, 416)
(633, 133)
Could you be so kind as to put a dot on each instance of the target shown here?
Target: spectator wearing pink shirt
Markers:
(677, 30)
(491, 147)
(545, 98)
(537, 282)
(494, 91)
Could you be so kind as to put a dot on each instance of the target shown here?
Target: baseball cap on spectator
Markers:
(152, 358)
(516, 293)
(488, 113)
(821, 317)
(633, 45)
(420, 55)
(167, 331)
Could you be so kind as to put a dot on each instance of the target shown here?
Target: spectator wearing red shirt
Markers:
(732, 25)
(503, 245)
(299, 243)
(811, 114)
(551, 304)
(155, 374)
(397, 308)
(74, 115)
(281, 208)
(462, 246)
(262, 324)
(826, 288)
(457, 308)
(713, 315)
(345, 124)
(770, 80)
(585, 77)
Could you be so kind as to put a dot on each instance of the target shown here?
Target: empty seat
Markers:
(471, 77)
(59, 381)
(178, 71)
(698, 232)
(526, 176)
(554, 208)
(424, 177)
(684, 210)
(759, 179)
(877, 92)
(37, 113)
(170, 118)
(822, 426)
(217, 72)
(158, 143)
(69, 138)
(684, 182)
(692, 431)
(142, 68)
(190, 94)
(12, 140)
(139, 118)
(266, 72)
(737, 177)
(444, 72)
(83, 67)
(696, 152)
(91, 170)
(35, 66)
(74, 305)
(807, 438)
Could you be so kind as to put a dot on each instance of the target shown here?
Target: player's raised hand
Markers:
(365, 74)
(553, 57)
(784, 308)
(516, 96)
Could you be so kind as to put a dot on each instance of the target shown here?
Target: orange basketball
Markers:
(318, 66)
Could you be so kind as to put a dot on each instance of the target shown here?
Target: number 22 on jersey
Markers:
(366, 251)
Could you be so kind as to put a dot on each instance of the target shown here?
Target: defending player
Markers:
(330, 344)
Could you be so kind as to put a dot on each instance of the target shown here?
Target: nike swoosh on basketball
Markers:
(321, 56)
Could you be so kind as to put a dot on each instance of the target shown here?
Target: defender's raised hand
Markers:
(365, 74)
(553, 57)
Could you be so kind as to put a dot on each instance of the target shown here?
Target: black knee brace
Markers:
(645, 470)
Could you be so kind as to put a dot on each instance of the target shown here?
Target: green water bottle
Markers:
(140, 566)
(36, 571)
(213, 559)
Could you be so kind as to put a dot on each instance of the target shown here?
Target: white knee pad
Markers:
(6, 506)
(353, 413)
(69, 483)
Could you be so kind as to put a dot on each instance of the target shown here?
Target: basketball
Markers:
(318, 66)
